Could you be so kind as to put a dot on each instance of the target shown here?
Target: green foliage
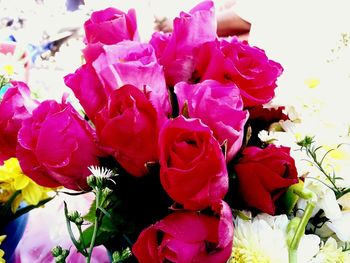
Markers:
(308, 145)
(118, 257)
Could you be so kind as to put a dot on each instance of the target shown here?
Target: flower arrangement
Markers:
(186, 157)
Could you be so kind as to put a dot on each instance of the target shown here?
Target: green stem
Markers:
(293, 247)
(293, 256)
(96, 225)
(82, 238)
(319, 166)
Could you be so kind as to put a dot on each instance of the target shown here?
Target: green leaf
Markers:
(91, 214)
(101, 238)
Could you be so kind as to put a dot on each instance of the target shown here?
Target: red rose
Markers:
(15, 106)
(128, 128)
(110, 26)
(188, 237)
(263, 175)
(246, 66)
(192, 166)
(56, 146)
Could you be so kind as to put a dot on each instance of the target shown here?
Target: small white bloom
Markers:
(340, 226)
(330, 253)
(344, 201)
(100, 172)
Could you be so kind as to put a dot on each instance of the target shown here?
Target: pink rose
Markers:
(88, 89)
(247, 67)
(264, 175)
(56, 146)
(134, 63)
(188, 237)
(192, 166)
(220, 107)
(190, 31)
(128, 128)
(15, 106)
(110, 26)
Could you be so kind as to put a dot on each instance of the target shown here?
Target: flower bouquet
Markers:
(170, 139)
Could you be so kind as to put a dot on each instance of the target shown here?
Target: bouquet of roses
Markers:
(170, 143)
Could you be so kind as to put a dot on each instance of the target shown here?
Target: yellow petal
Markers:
(312, 83)
(21, 182)
(32, 194)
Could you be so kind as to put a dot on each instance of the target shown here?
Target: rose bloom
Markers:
(220, 107)
(88, 89)
(133, 63)
(127, 128)
(56, 146)
(177, 50)
(110, 26)
(15, 106)
(192, 165)
(188, 237)
(246, 66)
(264, 175)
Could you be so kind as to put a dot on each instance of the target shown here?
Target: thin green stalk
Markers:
(96, 225)
(82, 238)
(293, 247)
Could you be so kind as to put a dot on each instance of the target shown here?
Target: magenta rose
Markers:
(56, 146)
(128, 129)
(15, 106)
(87, 89)
(190, 31)
(246, 66)
(264, 175)
(110, 26)
(188, 237)
(192, 165)
(220, 107)
(134, 63)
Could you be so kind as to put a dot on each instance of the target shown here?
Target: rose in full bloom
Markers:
(190, 31)
(110, 26)
(134, 63)
(220, 107)
(15, 106)
(264, 175)
(56, 146)
(88, 89)
(246, 66)
(128, 128)
(187, 237)
(192, 165)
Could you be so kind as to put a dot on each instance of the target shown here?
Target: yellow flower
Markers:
(12, 179)
(1, 251)
(312, 83)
